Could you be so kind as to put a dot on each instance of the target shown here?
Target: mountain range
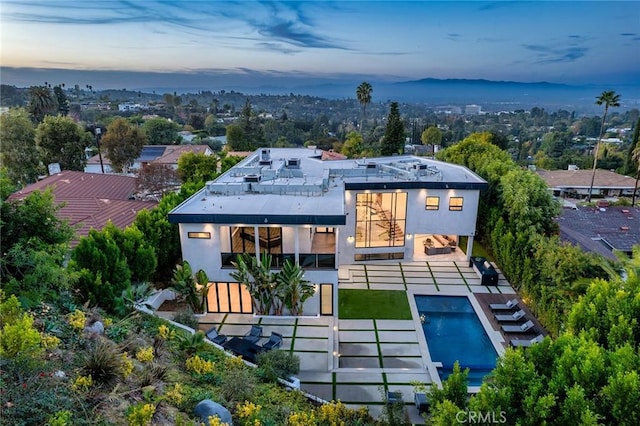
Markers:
(491, 95)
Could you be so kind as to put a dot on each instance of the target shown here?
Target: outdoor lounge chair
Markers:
(511, 304)
(523, 343)
(254, 334)
(213, 335)
(518, 328)
(516, 316)
(274, 342)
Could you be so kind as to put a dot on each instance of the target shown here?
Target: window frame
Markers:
(456, 208)
(432, 207)
(202, 235)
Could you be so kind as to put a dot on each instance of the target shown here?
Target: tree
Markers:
(352, 145)
(197, 168)
(19, 153)
(363, 93)
(62, 141)
(157, 179)
(608, 99)
(41, 102)
(394, 132)
(161, 131)
(122, 144)
(61, 98)
(634, 161)
(431, 136)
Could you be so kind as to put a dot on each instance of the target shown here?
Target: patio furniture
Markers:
(518, 328)
(246, 349)
(274, 342)
(511, 304)
(516, 316)
(254, 334)
(524, 343)
(212, 334)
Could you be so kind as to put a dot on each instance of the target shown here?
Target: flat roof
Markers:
(293, 185)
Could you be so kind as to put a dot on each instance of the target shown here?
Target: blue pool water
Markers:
(454, 333)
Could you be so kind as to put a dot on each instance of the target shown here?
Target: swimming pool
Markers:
(454, 333)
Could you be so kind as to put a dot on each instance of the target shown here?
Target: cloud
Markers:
(454, 36)
(628, 34)
(554, 54)
(293, 33)
(278, 47)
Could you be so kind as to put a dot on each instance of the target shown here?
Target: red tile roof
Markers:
(91, 200)
(582, 179)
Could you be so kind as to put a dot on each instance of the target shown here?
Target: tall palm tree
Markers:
(363, 93)
(41, 102)
(608, 98)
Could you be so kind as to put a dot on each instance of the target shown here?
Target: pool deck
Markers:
(358, 361)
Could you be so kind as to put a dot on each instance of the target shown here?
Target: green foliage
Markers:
(122, 144)
(238, 385)
(198, 168)
(102, 267)
(19, 153)
(431, 135)
(352, 146)
(103, 362)
(394, 138)
(295, 289)
(160, 131)
(63, 141)
(20, 338)
(191, 288)
(190, 343)
(185, 316)
(276, 364)
(41, 102)
(454, 388)
(257, 278)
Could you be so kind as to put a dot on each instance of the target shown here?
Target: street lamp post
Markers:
(98, 136)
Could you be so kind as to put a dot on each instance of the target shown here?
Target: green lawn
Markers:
(373, 304)
(478, 250)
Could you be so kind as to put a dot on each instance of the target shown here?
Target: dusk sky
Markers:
(571, 42)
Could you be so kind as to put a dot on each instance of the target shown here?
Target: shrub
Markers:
(238, 384)
(199, 366)
(78, 319)
(60, 418)
(82, 384)
(186, 317)
(145, 354)
(277, 364)
(175, 394)
(10, 310)
(140, 414)
(20, 338)
(190, 343)
(103, 362)
(126, 365)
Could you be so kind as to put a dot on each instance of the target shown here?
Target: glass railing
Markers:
(307, 260)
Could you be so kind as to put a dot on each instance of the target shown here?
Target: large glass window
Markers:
(380, 219)
(229, 297)
(270, 239)
(242, 239)
(326, 299)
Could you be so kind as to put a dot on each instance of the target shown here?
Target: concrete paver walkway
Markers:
(358, 361)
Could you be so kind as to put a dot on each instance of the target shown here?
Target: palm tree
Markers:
(42, 102)
(608, 98)
(363, 93)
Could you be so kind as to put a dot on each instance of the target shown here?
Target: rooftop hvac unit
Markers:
(293, 163)
(420, 166)
(252, 178)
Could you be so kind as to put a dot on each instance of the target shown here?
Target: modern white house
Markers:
(323, 214)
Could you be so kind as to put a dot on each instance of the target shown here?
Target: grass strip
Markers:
(375, 330)
(366, 276)
(373, 304)
(463, 278)
(432, 276)
(403, 278)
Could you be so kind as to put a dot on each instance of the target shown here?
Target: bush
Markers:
(238, 384)
(277, 364)
(103, 362)
(185, 316)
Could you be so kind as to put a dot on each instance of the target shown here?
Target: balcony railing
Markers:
(307, 260)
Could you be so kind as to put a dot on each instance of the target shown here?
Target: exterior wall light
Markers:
(350, 239)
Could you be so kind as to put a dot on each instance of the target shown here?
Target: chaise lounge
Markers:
(254, 334)
(523, 343)
(518, 328)
(511, 304)
(274, 342)
(516, 316)
(212, 334)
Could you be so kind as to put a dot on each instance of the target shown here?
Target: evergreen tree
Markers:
(393, 142)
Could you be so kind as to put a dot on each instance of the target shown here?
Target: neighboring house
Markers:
(601, 230)
(324, 214)
(163, 154)
(575, 183)
(187, 136)
(91, 200)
